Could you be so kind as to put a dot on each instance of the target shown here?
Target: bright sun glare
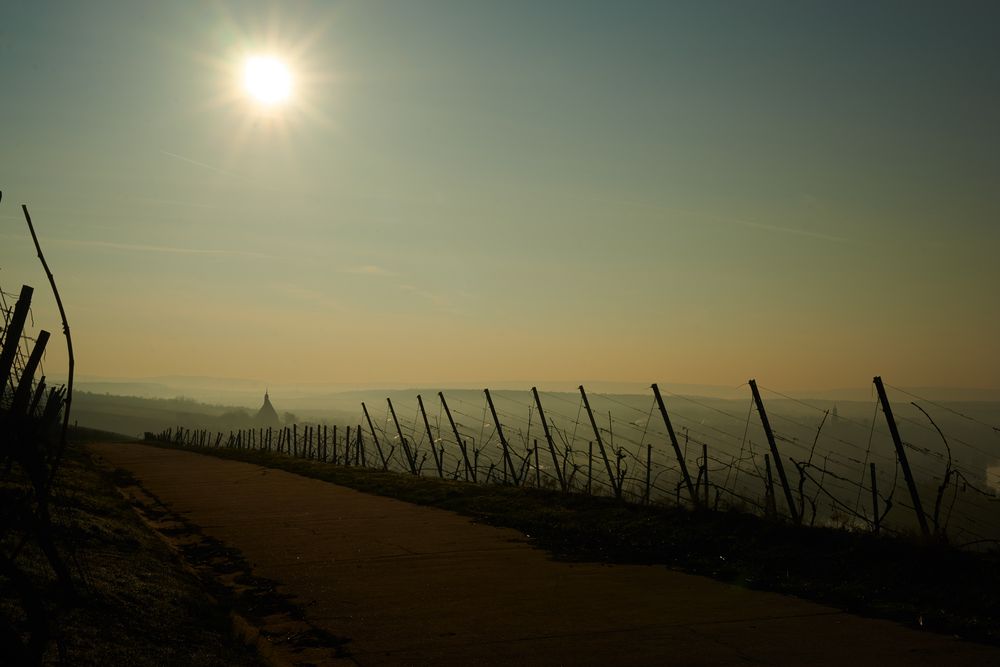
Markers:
(267, 79)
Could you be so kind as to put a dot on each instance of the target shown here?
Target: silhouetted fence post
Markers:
(901, 455)
(677, 448)
(12, 336)
(770, 508)
(538, 471)
(774, 452)
(347, 447)
(548, 439)
(469, 469)
(411, 462)
(475, 459)
(362, 459)
(876, 520)
(704, 459)
(649, 469)
(590, 467)
(37, 397)
(438, 458)
(22, 395)
(507, 463)
(615, 481)
(385, 463)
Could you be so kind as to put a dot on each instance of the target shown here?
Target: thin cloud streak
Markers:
(730, 221)
(784, 230)
(766, 227)
(159, 248)
(368, 270)
(173, 202)
(198, 164)
(436, 299)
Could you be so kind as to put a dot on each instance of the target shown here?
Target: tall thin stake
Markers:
(438, 460)
(385, 464)
(469, 468)
(402, 439)
(69, 344)
(774, 452)
(901, 455)
(507, 463)
(676, 445)
(615, 482)
(548, 438)
(876, 520)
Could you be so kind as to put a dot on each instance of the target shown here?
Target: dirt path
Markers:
(413, 585)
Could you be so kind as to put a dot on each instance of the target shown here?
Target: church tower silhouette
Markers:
(267, 415)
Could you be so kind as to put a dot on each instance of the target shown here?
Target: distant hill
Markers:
(303, 397)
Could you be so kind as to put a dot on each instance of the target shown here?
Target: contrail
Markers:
(200, 164)
(785, 230)
(159, 248)
(727, 220)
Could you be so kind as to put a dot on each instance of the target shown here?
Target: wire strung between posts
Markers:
(916, 466)
(704, 405)
(746, 430)
(864, 466)
(944, 407)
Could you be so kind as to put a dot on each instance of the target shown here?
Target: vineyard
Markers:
(32, 446)
(899, 464)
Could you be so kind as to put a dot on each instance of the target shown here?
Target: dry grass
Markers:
(136, 604)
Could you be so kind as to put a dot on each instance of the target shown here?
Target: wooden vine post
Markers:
(438, 459)
(901, 456)
(385, 463)
(615, 481)
(548, 438)
(14, 330)
(774, 452)
(402, 440)
(507, 463)
(470, 470)
(685, 476)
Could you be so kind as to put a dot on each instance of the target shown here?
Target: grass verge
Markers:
(934, 587)
(135, 604)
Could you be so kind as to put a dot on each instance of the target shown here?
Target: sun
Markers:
(267, 79)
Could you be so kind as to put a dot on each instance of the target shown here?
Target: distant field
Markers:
(134, 415)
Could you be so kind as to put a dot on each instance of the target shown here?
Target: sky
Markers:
(691, 192)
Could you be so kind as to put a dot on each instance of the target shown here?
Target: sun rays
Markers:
(270, 81)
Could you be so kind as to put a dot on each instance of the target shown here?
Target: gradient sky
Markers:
(698, 192)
